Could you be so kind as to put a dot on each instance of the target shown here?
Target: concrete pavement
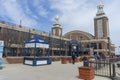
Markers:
(55, 71)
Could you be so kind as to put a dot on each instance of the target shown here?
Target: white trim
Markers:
(100, 16)
(28, 62)
(41, 62)
(31, 45)
(100, 28)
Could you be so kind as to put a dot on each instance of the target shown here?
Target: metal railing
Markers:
(102, 68)
(105, 68)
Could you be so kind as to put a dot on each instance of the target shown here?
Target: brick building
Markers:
(80, 42)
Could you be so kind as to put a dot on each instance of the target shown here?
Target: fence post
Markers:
(85, 63)
(110, 68)
(96, 64)
(114, 72)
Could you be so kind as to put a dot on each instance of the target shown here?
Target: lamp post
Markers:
(8, 43)
(109, 50)
(65, 48)
(24, 50)
(109, 53)
(61, 44)
(74, 48)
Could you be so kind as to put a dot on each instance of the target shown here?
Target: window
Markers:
(100, 28)
(100, 46)
(94, 45)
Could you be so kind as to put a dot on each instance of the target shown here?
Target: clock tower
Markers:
(101, 27)
(56, 29)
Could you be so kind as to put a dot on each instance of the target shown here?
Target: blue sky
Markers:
(74, 14)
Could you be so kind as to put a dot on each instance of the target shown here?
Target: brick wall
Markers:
(14, 60)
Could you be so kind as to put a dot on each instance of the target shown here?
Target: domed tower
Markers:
(56, 29)
(101, 27)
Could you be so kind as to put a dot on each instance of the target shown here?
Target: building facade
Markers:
(80, 42)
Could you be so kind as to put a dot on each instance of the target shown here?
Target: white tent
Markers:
(37, 42)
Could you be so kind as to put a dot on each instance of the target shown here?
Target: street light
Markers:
(109, 44)
(8, 43)
(74, 48)
(24, 50)
(65, 48)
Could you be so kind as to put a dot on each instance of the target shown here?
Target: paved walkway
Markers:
(55, 71)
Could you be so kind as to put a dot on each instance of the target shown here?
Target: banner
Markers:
(1, 51)
(1, 43)
(1, 48)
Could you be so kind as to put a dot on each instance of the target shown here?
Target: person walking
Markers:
(73, 58)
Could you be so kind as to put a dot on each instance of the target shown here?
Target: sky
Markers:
(73, 15)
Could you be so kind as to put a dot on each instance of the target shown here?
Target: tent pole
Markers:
(34, 60)
(35, 51)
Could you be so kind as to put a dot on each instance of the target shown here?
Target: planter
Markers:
(14, 60)
(86, 73)
(70, 60)
(88, 58)
(80, 59)
(76, 60)
(64, 61)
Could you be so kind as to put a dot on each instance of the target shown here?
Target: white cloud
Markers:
(74, 14)
(16, 13)
(38, 4)
(77, 14)
(113, 13)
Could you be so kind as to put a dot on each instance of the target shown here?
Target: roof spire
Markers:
(100, 8)
(57, 19)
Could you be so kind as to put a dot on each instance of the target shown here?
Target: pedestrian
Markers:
(73, 58)
(84, 58)
(103, 57)
(95, 56)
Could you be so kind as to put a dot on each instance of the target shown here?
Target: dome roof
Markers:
(78, 35)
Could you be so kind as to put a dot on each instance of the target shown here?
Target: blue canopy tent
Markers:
(37, 42)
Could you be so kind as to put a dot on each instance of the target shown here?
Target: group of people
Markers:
(95, 56)
(99, 56)
(74, 57)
